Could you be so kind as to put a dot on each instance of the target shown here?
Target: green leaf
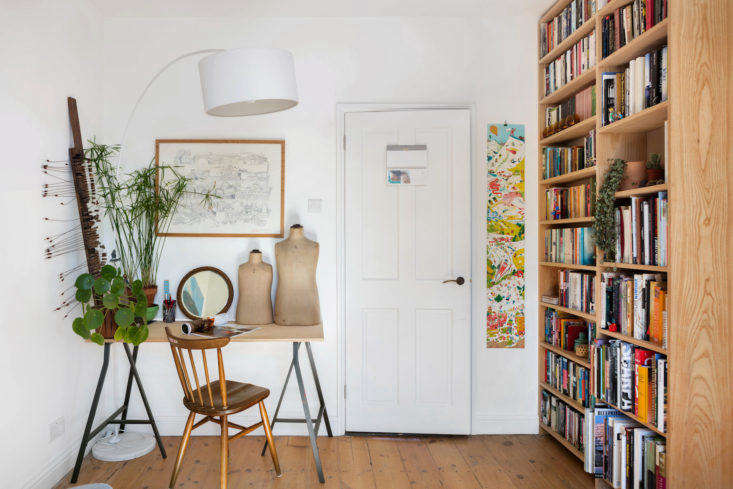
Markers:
(80, 328)
(108, 272)
(137, 287)
(124, 317)
(101, 285)
(130, 334)
(84, 281)
(120, 334)
(141, 310)
(142, 334)
(93, 319)
(117, 286)
(141, 299)
(111, 301)
(97, 338)
(83, 295)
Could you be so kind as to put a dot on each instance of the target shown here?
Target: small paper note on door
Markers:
(407, 156)
(407, 176)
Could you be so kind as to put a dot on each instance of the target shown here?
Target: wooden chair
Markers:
(215, 399)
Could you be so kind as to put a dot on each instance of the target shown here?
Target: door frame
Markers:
(341, 110)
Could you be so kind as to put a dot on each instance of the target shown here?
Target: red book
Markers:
(617, 30)
(571, 334)
(649, 14)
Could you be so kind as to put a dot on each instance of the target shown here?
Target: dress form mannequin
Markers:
(255, 284)
(296, 299)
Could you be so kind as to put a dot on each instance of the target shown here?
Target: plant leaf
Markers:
(101, 285)
(83, 295)
(111, 301)
(80, 328)
(141, 310)
(120, 333)
(93, 319)
(124, 317)
(142, 334)
(117, 286)
(108, 272)
(97, 338)
(137, 287)
(84, 281)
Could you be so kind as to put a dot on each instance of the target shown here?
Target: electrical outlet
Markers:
(315, 206)
(57, 428)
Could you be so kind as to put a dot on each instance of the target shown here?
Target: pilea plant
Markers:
(604, 226)
(109, 296)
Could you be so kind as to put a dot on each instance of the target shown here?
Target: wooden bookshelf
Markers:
(570, 177)
(637, 419)
(634, 192)
(635, 266)
(569, 266)
(568, 42)
(567, 400)
(571, 448)
(573, 132)
(638, 46)
(580, 314)
(630, 339)
(648, 119)
(567, 220)
(571, 88)
(570, 355)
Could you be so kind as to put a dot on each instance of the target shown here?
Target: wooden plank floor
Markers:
(356, 462)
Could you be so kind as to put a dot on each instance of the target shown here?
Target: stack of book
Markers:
(570, 202)
(561, 330)
(577, 290)
(577, 108)
(631, 378)
(563, 419)
(642, 85)
(567, 377)
(635, 305)
(641, 231)
(558, 161)
(571, 64)
(623, 25)
(570, 245)
(623, 453)
(559, 28)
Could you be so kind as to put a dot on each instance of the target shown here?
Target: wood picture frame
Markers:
(273, 231)
(182, 283)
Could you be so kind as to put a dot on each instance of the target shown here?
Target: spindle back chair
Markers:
(218, 398)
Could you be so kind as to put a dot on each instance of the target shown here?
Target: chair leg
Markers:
(182, 448)
(270, 439)
(224, 451)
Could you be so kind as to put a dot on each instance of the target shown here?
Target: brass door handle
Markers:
(459, 280)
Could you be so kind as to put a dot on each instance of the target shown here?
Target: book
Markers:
(227, 331)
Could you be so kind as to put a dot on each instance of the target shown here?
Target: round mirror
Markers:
(205, 292)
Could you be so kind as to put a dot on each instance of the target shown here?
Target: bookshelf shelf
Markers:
(567, 354)
(567, 400)
(570, 220)
(569, 266)
(651, 189)
(586, 79)
(573, 132)
(630, 339)
(570, 177)
(636, 418)
(644, 121)
(568, 42)
(612, 6)
(580, 314)
(633, 266)
(637, 47)
(563, 441)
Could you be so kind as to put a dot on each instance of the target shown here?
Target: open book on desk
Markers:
(226, 331)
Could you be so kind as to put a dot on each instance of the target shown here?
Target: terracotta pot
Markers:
(654, 175)
(634, 175)
(108, 328)
(150, 293)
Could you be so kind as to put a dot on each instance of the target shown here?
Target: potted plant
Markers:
(654, 170)
(110, 308)
(140, 207)
(604, 224)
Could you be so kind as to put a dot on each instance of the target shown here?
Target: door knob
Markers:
(459, 280)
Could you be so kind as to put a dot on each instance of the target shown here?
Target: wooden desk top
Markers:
(267, 332)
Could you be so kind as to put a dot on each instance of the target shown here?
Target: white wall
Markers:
(487, 62)
(49, 50)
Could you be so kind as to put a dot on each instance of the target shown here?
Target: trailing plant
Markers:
(108, 295)
(140, 207)
(654, 162)
(604, 226)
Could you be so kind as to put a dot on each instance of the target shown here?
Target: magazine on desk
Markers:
(225, 331)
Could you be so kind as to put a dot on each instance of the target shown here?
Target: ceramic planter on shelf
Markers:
(634, 175)
(654, 174)
(150, 293)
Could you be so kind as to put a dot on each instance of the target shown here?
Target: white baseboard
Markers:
(59, 466)
(505, 424)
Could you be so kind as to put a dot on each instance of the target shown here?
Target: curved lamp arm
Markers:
(147, 87)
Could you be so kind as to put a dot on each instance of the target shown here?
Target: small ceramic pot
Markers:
(655, 174)
(581, 349)
(150, 293)
(108, 328)
(634, 175)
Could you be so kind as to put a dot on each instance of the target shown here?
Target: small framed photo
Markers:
(248, 177)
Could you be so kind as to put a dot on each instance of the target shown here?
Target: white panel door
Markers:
(408, 333)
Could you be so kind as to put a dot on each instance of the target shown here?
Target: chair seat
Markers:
(239, 396)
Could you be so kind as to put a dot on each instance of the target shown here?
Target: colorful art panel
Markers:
(505, 214)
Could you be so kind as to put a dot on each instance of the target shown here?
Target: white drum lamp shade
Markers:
(248, 81)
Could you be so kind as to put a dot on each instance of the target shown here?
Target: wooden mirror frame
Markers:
(204, 269)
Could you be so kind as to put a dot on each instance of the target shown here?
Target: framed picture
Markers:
(248, 177)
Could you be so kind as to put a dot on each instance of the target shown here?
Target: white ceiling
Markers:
(317, 8)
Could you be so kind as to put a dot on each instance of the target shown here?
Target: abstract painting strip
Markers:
(505, 236)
